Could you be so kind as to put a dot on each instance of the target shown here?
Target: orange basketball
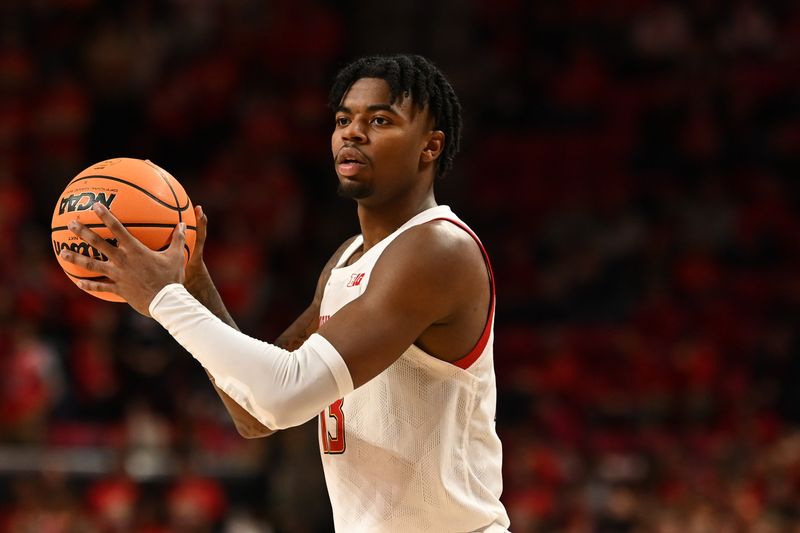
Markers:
(145, 198)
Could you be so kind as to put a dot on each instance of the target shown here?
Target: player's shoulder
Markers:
(437, 262)
(438, 245)
(439, 236)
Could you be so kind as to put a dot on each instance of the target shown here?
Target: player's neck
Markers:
(378, 222)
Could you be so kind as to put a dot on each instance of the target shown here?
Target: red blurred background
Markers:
(628, 164)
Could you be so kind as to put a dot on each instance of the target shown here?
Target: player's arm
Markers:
(200, 285)
(276, 387)
(420, 281)
(291, 339)
(424, 279)
(202, 288)
(432, 277)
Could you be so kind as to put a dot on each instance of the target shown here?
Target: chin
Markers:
(354, 190)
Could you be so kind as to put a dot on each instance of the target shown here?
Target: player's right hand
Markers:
(132, 271)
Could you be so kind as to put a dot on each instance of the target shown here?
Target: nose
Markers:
(354, 132)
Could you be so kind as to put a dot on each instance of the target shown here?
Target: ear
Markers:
(433, 148)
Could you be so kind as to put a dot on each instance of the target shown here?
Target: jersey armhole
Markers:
(469, 359)
(349, 251)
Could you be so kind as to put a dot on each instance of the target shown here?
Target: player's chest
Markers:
(343, 286)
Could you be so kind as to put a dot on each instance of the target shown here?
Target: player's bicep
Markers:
(407, 293)
(369, 337)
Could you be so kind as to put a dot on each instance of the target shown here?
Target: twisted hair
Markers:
(418, 78)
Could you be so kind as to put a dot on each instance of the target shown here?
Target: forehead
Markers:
(374, 91)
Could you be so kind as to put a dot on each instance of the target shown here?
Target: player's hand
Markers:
(134, 271)
(196, 268)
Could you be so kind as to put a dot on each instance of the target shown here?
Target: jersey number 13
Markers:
(333, 417)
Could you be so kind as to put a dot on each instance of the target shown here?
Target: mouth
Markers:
(350, 155)
(349, 161)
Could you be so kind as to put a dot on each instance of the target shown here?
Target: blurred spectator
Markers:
(195, 503)
(31, 382)
(113, 502)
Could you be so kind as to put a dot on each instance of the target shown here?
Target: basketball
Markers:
(145, 198)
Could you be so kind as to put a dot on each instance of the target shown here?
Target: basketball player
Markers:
(395, 351)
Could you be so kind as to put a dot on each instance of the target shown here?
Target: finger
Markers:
(92, 238)
(202, 226)
(123, 236)
(178, 237)
(97, 286)
(99, 267)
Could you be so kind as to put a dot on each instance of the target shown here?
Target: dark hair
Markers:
(417, 77)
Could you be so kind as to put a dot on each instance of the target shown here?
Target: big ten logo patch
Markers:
(355, 280)
(84, 201)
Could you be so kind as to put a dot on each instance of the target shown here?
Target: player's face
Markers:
(377, 145)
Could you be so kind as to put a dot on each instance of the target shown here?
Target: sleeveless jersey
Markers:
(415, 448)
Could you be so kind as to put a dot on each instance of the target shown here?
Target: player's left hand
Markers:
(134, 271)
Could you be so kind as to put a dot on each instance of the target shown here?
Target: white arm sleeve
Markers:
(279, 388)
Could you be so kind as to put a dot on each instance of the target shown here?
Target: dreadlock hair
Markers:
(416, 77)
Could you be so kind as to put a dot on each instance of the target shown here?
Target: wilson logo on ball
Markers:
(83, 248)
(84, 201)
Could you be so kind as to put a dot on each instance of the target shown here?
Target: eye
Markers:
(342, 121)
(380, 121)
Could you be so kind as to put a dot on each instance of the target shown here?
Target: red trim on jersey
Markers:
(469, 359)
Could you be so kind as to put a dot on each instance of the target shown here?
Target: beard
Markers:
(353, 190)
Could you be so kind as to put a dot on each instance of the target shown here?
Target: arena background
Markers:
(631, 166)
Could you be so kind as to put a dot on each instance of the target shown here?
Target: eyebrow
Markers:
(374, 107)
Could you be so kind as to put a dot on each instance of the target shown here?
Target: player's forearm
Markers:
(246, 424)
(201, 286)
(278, 388)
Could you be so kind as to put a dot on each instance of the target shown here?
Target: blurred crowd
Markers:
(628, 164)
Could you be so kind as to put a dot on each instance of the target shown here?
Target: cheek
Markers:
(403, 151)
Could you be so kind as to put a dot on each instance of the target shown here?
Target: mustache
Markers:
(350, 151)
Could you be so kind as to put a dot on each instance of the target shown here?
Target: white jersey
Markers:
(415, 448)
